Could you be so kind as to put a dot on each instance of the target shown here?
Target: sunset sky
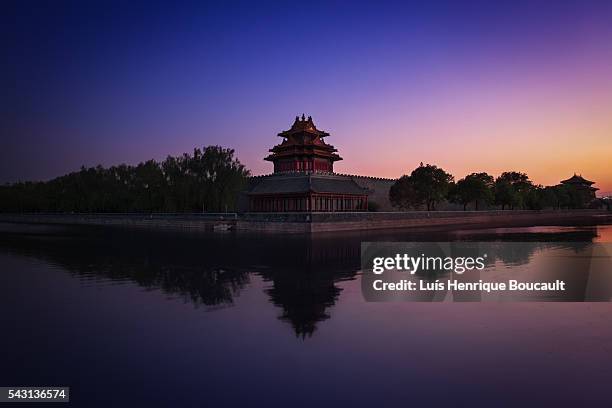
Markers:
(469, 86)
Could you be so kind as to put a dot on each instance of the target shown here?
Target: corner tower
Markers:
(303, 149)
(304, 178)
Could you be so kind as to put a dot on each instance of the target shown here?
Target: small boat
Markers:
(222, 227)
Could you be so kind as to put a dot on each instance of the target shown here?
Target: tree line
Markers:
(207, 180)
(429, 185)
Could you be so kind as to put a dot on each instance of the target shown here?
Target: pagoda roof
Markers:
(305, 183)
(301, 125)
(577, 179)
(279, 152)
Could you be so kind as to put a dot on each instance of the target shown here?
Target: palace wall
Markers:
(414, 220)
(378, 188)
(323, 221)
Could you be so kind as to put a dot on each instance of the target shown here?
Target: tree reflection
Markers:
(204, 269)
(210, 269)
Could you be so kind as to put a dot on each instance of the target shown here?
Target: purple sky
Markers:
(470, 86)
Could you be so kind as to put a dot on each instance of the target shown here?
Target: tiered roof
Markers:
(307, 183)
(303, 139)
(579, 180)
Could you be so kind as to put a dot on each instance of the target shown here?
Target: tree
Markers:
(431, 184)
(535, 199)
(426, 186)
(473, 188)
(220, 177)
(511, 189)
(402, 194)
(550, 197)
(209, 180)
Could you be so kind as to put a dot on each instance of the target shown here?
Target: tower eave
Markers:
(315, 132)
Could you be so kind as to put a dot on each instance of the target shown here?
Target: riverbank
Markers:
(323, 222)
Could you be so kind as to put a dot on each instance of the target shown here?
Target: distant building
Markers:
(304, 178)
(581, 184)
(581, 192)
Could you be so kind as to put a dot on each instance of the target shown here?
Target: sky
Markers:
(468, 86)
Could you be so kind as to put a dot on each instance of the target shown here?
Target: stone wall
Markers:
(444, 220)
(323, 222)
(194, 222)
(379, 190)
(448, 220)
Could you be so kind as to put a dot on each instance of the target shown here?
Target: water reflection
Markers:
(210, 270)
(205, 269)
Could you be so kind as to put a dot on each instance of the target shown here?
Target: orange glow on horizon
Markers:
(549, 130)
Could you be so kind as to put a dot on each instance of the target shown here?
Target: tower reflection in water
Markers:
(209, 270)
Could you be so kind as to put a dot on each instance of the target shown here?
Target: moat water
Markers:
(130, 318)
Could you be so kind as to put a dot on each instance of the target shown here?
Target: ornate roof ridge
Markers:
(366, 177)
(303, 125)
(577, 178)
(324, 173)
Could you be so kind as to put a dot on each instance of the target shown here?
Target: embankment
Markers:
(323, 222)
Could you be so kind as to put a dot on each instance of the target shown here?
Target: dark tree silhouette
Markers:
(568, 196)
(208, 180)
(402, 194)
(426, 186)
(474, 187)
(511, 189)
